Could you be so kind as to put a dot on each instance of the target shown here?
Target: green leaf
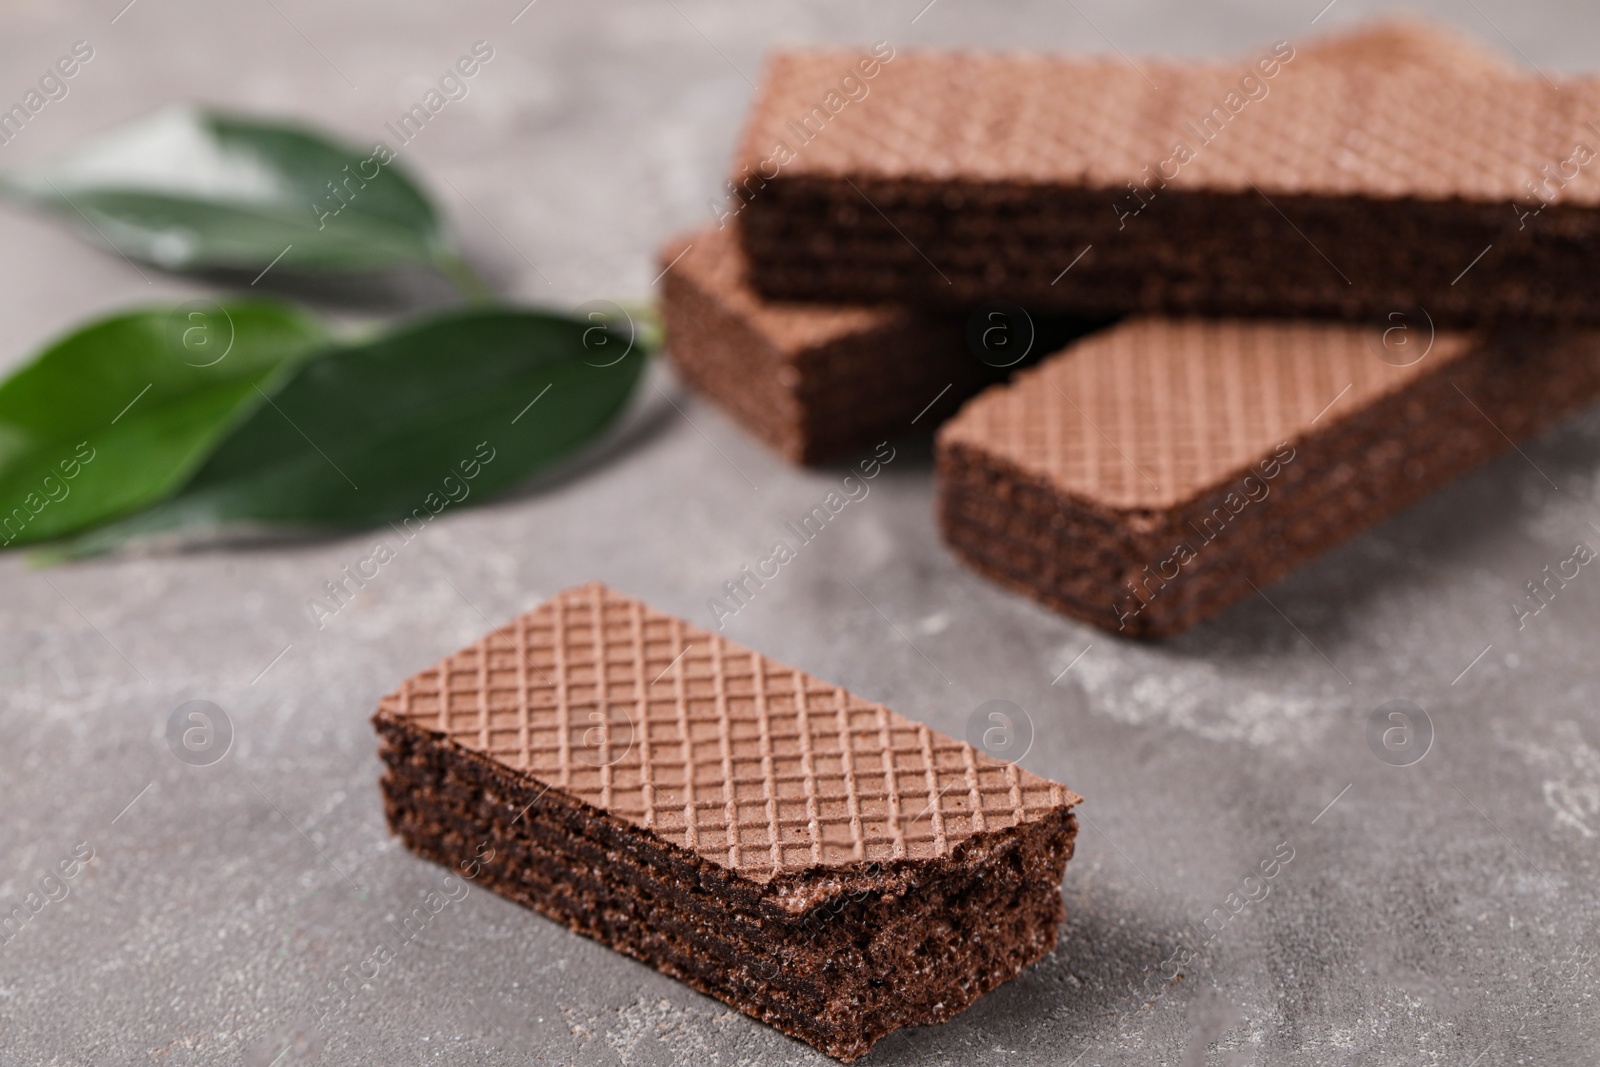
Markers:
(124, 411)
(191, 189)
(402, 428)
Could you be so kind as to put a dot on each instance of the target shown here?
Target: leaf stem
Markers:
(646, 318)
(468, 282)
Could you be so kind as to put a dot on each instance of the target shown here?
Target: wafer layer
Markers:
(1144, 478)
(767, 837)
(812, 381)
(1353, 184)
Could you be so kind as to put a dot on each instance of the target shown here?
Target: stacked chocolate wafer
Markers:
(1391, 236)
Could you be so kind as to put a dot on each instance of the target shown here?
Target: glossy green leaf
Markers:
(124, 411)
(190, 189)
(400, 429)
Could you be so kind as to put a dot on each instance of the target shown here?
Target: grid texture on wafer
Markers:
(1326, 128)
(1152, 412)
(753, 765)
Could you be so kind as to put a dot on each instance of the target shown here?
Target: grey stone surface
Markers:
(1439, 913)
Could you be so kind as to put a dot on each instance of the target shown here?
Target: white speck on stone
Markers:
(1571, 767)
(1152, 687)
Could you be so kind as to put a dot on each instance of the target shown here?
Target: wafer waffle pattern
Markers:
(1150, 413)
(1364, 129)
(753, 765)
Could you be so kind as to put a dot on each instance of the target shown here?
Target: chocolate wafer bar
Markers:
(818, 381)
(812, 381)
(1367, 181)
(1151, 475)
(810, 858)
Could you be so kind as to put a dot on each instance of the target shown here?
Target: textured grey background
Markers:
(1436, 914)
